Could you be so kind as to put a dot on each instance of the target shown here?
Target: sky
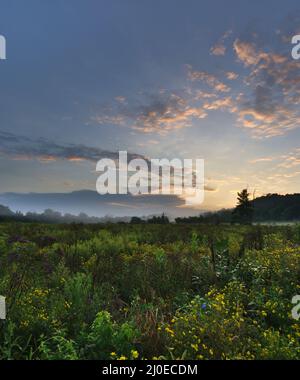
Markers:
(159, 79)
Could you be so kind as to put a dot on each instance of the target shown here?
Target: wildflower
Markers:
(169, 331)
(134, 354)
(194, 346)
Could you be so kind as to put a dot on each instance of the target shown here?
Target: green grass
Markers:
(149, 291)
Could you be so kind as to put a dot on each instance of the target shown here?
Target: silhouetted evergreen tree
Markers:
(243, 213)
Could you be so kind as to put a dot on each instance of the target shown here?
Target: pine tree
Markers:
(243, 213)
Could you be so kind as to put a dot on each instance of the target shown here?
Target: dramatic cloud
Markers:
(24, 148)
(264, 97)
(271, 108)
(159, 113)
(162, 116)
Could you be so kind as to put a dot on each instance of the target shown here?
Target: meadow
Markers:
(123, 291)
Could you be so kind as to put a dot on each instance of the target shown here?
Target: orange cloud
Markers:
(231, 75)
(209, 79)
(218, 49)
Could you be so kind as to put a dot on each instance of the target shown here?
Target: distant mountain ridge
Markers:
(93, 204)
(267, 208)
